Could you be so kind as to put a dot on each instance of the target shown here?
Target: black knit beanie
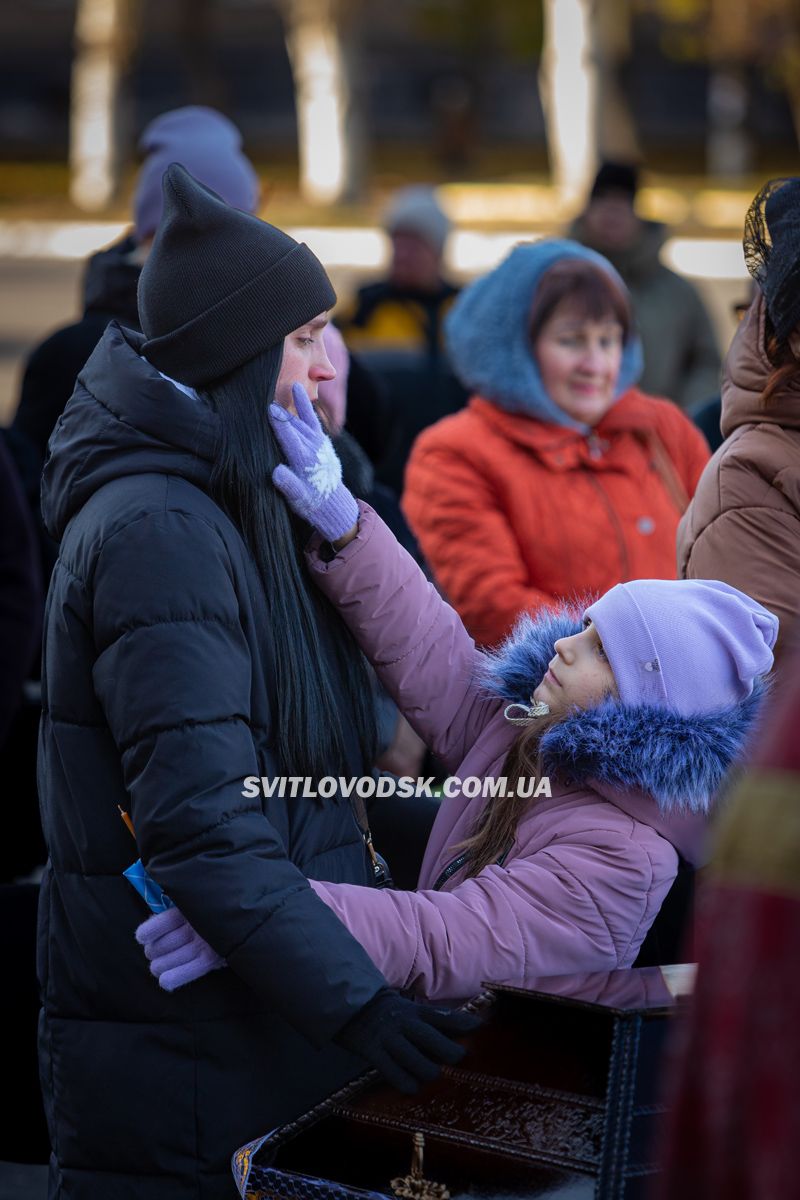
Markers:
(219, 286)
(615, 177)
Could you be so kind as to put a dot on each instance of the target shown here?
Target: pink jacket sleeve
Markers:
(424, 657)
(579, 905)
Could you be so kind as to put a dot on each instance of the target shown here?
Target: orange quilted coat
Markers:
(514, 514)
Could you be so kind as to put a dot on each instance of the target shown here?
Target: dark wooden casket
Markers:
(558, 1096)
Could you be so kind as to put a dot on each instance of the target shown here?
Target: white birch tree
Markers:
(104, 37)
(322, 39)
(616, 130)
(568, 85)
(729, 149)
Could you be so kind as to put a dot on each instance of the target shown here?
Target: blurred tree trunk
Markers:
(196, 40)
(793, 92)
(568, 85)
(616, 137)
(323, 42)
(104, 39)
(729, 148)
(781, 55)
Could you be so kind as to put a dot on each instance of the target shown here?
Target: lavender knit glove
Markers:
(176, 952)
(312, 481)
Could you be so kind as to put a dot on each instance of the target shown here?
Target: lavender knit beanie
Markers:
(691, 645)
(209, 146)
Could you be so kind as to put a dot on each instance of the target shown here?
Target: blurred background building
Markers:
(506, 108)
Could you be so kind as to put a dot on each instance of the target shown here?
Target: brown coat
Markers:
(743, 526)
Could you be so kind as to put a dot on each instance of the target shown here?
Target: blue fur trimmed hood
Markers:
(487, 332)
(680, 761)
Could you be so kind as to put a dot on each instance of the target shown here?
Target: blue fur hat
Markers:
(488, 338)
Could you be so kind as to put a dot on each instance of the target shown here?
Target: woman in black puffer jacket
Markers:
(184, 650)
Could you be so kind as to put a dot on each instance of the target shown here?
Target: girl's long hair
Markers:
(317, 698)
(498, 823)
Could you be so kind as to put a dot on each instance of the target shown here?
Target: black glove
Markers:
(406, 1041)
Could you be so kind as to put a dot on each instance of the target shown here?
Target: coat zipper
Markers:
(449, 870)
(615, 524)
(377, 869)
(458, 863)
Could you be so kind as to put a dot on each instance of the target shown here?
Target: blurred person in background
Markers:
(396, 327)
(681, 356)
(208, 145)
(185, 649)
(22, 1134)
(335, 397)
(560, 477)
(707, 416)
(405, 310)
(20, 602)
(21, 608)
(743, 525)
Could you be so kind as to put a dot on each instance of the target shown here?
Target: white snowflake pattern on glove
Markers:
(325, 474)
(311, 478)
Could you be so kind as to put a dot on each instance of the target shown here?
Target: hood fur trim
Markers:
(680, 761)
(517, 666)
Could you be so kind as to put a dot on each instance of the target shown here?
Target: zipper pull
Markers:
(376, 867)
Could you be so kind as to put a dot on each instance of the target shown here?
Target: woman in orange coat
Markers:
(559, 478)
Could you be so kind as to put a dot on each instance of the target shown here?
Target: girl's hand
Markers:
(312, 479)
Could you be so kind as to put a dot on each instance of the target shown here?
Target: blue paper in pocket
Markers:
(147, 888)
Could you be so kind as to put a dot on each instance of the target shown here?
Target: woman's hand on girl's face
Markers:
(579, 361)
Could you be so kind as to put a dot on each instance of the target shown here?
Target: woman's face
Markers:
(579, 360)
(305, 361)
(579, 676)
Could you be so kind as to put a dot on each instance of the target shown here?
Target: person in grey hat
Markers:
(184, 651)
(405, 310)
(395, 325)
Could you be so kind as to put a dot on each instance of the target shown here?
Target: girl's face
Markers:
(579, 360)
(579, 676)
(305, 361)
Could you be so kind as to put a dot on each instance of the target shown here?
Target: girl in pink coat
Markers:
(632, 710)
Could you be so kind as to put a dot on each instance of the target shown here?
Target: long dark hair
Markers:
(315, 694)
(497, 825)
